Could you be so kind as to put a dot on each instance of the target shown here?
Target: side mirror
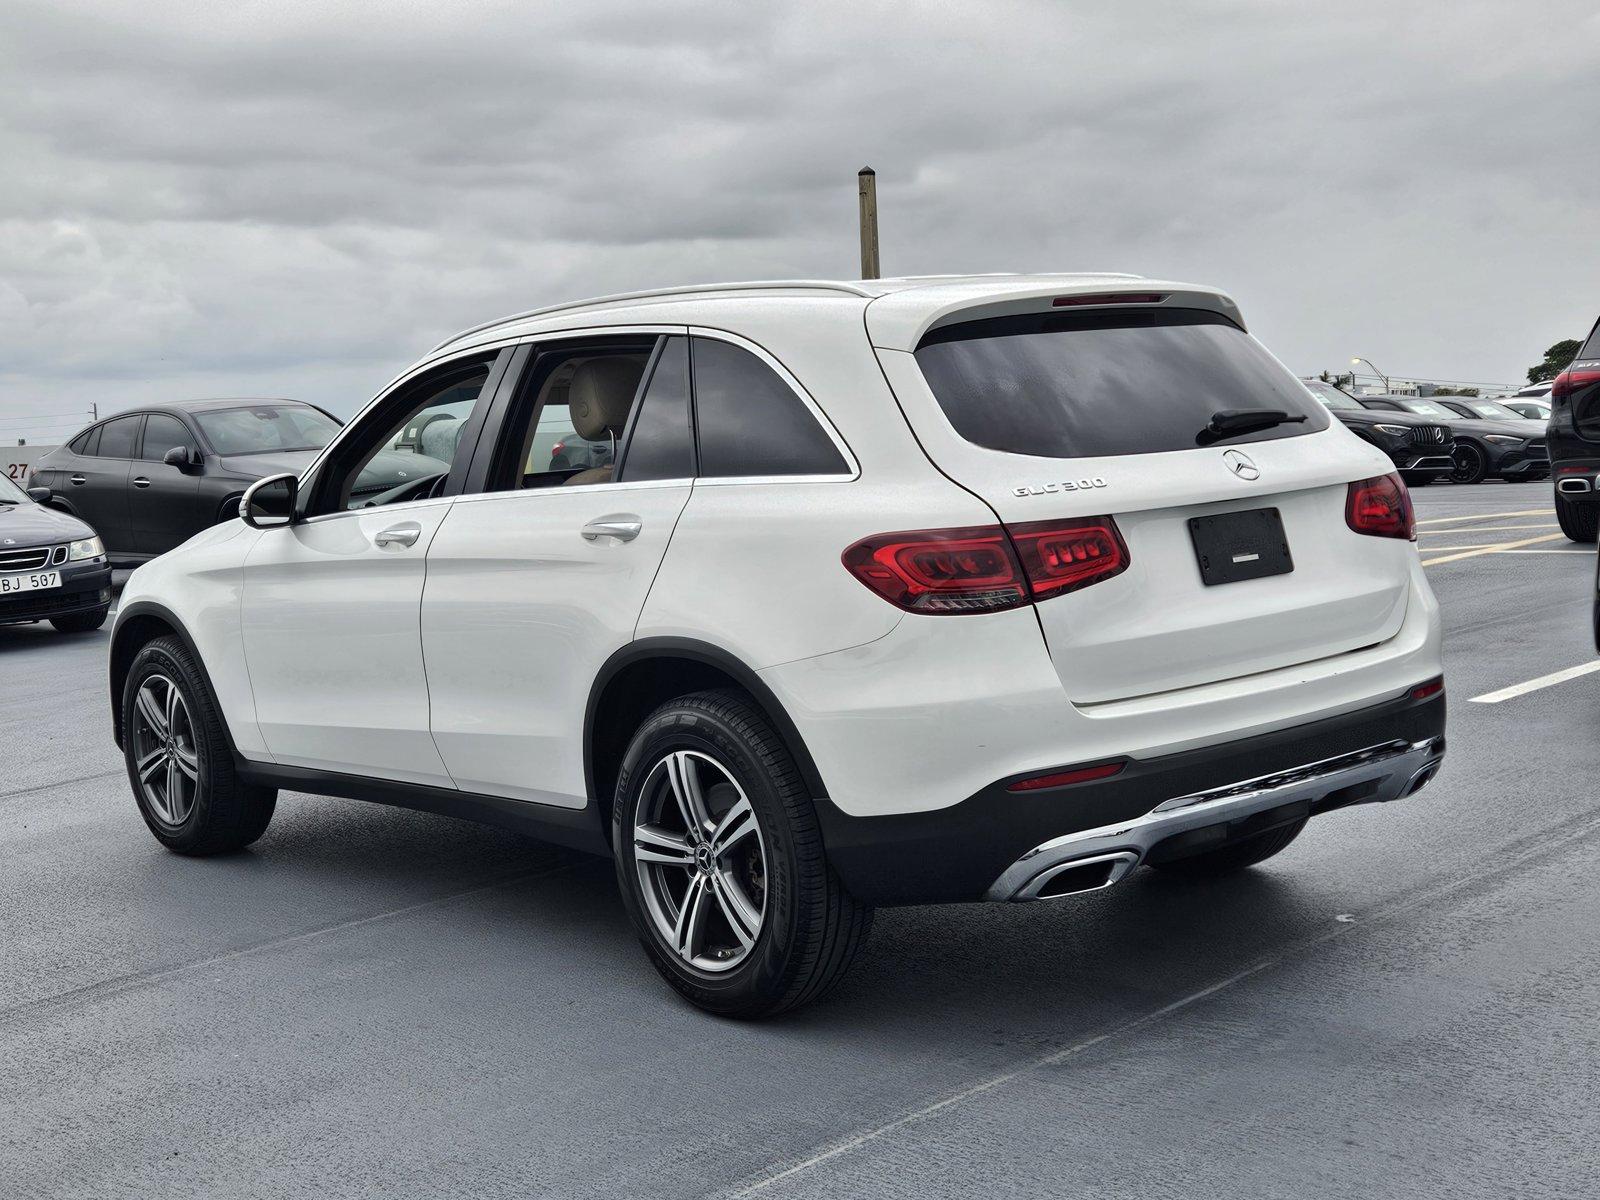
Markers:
(180, 457)
(269, 502)
(40, 495)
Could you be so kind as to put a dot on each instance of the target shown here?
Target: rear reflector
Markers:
(1109, 298)
(1062, 778)
(987, 568)
(1424, 690)
(1380, 507)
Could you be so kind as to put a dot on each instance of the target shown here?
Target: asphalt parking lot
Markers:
(377, 1002)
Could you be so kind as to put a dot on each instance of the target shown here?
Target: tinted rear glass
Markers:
(116, 437)
(1591, 348)
(1081, 385)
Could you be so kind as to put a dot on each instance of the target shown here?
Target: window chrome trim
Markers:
(627, 485)
(403, 506)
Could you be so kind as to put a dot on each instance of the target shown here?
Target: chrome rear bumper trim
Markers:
(1398, 768)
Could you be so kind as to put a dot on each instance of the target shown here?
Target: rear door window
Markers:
(661, 443)
(749, 422)
(1087, 384)
(117, 437)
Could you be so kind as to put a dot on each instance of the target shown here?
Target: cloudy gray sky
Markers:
(298, 197)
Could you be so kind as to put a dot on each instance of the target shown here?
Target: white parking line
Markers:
(1493, 548)
(1527, 512)
(1486, 529)
(1533, 685)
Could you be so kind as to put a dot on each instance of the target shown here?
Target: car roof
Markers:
(903, 307)
(213, 402)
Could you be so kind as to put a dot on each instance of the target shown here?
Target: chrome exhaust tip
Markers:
(1079, 875)
(1574, 486)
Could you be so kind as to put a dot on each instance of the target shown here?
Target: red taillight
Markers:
(1060, 556)
(1062, 778)
(1109, 298)
(1425, 690)
(941, 570)
(1381, 507)
(987, 568)
(1570, 380)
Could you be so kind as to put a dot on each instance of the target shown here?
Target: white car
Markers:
(901, 591)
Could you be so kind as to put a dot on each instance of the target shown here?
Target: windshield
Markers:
(1331, 396)
(266, 427)
(1492, 411)
(1109, 382)
(1426, 408)
(10, 493)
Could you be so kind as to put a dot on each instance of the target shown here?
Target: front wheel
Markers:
(83, 622)
(178, 758)
(1472, 464)
(721, 862)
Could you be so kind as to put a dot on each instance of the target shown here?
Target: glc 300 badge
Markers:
(1065, 485)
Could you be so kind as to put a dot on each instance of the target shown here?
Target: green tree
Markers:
(1555, 360)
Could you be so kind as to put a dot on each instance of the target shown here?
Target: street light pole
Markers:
(1374, 366)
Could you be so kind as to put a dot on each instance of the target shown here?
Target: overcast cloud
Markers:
(299, 198)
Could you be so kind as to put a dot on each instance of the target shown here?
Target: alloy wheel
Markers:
(701, 860)
(165, 756)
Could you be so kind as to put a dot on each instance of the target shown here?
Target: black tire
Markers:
(82, 622)
(1472, 464)
(1225, 861)
(811, 928)
(225, 814)
(1580, 522)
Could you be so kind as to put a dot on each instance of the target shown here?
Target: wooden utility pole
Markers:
(867, 191)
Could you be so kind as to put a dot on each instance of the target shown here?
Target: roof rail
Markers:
(821, 285)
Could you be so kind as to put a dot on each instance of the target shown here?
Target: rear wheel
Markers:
(178, 758)
(1228, 859)
(1580, 522)
(84, 622)
(721, 862)
(1472, 464)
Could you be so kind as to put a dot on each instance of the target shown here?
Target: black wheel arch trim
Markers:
(149, 608)
(645, 649)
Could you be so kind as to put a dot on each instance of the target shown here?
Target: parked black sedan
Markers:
(151, 479)
(52, 566)
(1421, 448)
(1485, 449)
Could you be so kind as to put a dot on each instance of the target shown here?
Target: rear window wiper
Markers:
(1234, 422)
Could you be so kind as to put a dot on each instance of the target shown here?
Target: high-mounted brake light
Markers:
(987, 568)
(1380, 507)
(1109, 298)
(1063, 778)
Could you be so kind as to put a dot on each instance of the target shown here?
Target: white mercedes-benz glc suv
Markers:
(801, 598)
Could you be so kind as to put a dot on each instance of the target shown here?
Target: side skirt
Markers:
(576, 828)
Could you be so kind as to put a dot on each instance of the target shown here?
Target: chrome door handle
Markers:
(622, 526)
(398, 535)
(79, 479)
(141, 482)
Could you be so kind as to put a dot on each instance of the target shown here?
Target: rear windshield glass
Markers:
(266, 427)
(1591, 348)
(1081, 385)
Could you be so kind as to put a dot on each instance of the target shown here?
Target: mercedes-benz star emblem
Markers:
(1241, 465)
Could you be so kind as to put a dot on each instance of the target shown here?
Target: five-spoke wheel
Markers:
(701, 860)
(164, 753)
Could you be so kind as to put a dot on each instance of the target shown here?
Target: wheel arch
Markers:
(137, 625)
(644, 675)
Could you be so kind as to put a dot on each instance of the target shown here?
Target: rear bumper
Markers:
(83, 588)
(996, 844)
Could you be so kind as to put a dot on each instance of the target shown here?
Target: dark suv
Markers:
(1422, 449)
(1574, 434)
